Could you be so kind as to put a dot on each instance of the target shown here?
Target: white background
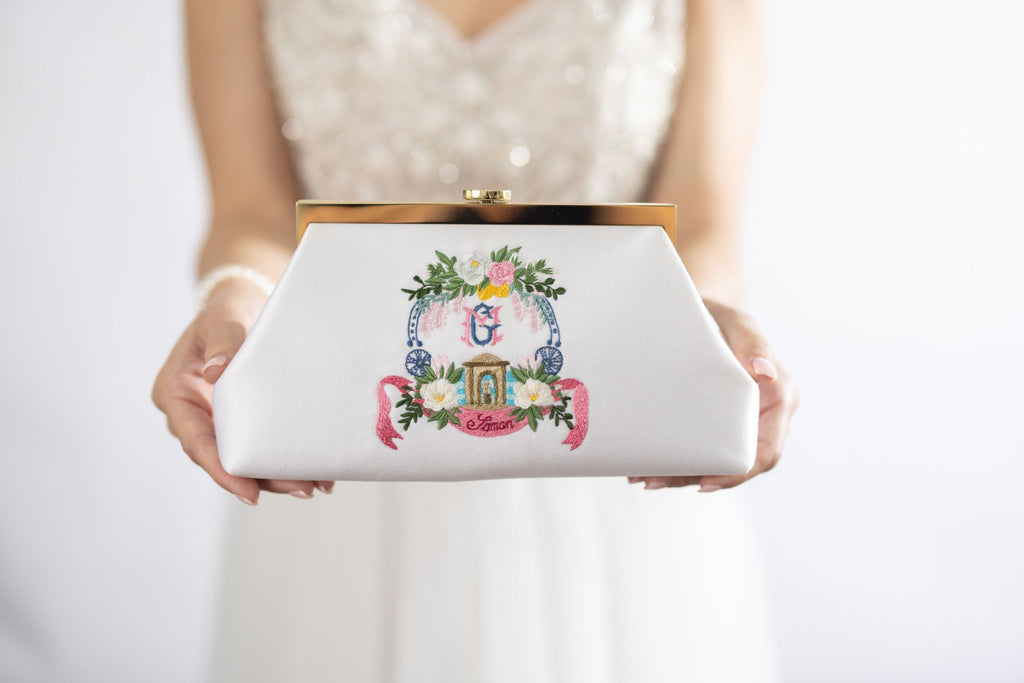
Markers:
(883, 245)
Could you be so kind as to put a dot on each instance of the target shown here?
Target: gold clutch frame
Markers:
(315, 211)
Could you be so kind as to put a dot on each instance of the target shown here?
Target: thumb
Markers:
(221, 340)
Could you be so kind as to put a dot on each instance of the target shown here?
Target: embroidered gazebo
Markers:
(485, 382)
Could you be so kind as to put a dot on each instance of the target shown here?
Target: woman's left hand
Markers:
(778, 400)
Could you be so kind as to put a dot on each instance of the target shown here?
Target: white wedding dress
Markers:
(519, 581)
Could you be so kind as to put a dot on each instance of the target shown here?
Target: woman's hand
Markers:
(778, 400)
(184, 387)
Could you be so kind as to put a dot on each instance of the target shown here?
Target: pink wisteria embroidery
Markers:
(482, 394)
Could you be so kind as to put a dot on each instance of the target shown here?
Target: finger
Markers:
(220, 341)
(325, 486)
(194, 428)
(778, 401)
(748, 345)
(667, 482)
(297, 488)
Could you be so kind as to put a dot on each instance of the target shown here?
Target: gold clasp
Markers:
(488, 196)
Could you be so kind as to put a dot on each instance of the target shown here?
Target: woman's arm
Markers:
(252, 184)
(252, 196)
(702, 171)
(705, 157)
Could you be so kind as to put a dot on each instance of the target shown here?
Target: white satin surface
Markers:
(567, 580)
(299, 399)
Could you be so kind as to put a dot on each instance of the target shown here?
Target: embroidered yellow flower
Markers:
(490, 290)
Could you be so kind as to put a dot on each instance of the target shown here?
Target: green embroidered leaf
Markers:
(532, 421)
(519, 374)
(428, 376)
(454, 374)
(454, 420)
(413, 411)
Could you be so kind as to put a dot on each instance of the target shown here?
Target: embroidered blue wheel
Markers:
(416, 362)
(551, 357)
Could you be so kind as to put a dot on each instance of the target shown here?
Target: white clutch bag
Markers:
(484, 340)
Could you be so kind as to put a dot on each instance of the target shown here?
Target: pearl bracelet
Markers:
(218, 275)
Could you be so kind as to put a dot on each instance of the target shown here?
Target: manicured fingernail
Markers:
(655, 485)
(708, 488)
(244, 499)
(216, 360)
(325, 486)
(299, 493)
(634, 480)
(764, 367)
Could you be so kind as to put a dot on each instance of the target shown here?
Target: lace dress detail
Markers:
(563, 100)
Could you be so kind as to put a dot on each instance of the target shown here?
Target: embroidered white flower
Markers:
(532, 392)
(439, 395)
(472, 268)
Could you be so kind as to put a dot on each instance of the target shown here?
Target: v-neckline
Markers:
(491, 32)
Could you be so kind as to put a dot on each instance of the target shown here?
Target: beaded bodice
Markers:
(560, 100)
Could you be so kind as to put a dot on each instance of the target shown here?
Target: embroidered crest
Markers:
(483, 394)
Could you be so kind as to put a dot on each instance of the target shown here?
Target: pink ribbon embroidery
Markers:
(487, 422)
(484, 423)
(386, 431)
(581, 411)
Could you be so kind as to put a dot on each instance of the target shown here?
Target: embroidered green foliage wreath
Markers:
(537, 397)
(530, 402)
(497, 274)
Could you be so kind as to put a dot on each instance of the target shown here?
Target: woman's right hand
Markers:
(184, 387)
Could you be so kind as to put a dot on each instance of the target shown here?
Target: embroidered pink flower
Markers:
(531, 363)
(439, 364)
(501, 273)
